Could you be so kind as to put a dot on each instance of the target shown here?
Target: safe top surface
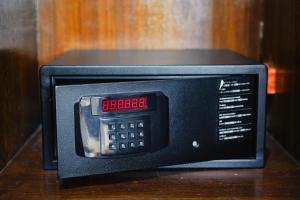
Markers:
(151, 58)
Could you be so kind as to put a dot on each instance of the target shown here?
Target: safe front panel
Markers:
(185, 121)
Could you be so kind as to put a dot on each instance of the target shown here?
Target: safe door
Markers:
(112, 127)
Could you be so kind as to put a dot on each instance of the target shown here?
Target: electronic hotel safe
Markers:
(108, 111)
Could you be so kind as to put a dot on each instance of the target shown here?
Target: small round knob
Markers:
(195, 144)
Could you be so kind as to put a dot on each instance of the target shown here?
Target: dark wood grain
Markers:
(111, 24)
(282, 51)
(236, 25)
(280, 179)
(19, 107)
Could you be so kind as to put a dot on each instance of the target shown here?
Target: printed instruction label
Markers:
(235, 108)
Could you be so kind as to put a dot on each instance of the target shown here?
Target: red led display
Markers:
(124, 104)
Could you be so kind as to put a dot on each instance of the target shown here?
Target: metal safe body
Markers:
(118, 110)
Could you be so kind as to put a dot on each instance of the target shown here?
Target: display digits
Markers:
(124, 104)
(105, 105)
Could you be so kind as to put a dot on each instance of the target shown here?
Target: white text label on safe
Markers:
(235, 109)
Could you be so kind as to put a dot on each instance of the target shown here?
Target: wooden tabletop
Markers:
(24, 178)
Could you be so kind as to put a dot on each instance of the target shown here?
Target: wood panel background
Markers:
(19, 107)
(282, 51)
(37, 31)
(110, 24)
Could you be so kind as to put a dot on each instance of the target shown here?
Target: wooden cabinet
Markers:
(33, 32)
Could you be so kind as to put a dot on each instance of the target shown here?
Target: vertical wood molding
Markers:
(19, 106)
(281, 50)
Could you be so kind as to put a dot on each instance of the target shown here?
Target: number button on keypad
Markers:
(123, 146)
(112, 137)
(141, 143)
(140, 124)
(111, 126)
(112, 146)
(140, 134)
(131, 144)
(131, 125)
(131, 135)
(121, 126)
(123, 136)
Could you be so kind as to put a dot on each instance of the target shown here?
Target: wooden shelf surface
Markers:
(24, 178)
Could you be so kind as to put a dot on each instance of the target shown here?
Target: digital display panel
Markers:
(124, 104)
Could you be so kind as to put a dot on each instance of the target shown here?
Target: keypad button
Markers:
(112, 137)
(123, 146)
(131, 125)
(131, 144)
(112, 146)
(111, 126)
(140, 124)
(141, 143)
(131, 135)
(121, 126)
(123, 136)
(141, 134)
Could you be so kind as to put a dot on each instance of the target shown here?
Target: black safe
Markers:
(108, 111)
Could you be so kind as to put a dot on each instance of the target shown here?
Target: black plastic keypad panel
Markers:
(119, 136)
